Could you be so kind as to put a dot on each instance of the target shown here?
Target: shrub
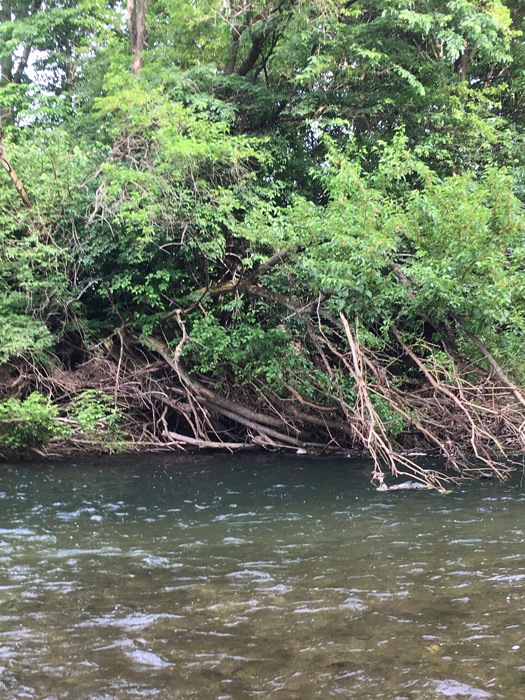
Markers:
(28, 422)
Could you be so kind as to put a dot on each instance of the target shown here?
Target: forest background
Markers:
(288, 224)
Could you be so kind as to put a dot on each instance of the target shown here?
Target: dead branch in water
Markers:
(474, 422)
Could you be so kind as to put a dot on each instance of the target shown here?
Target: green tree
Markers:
(281, 223)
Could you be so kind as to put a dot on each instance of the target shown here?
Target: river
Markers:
(256, 577)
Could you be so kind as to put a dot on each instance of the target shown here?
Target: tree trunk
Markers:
(137, 32)
(17, 182)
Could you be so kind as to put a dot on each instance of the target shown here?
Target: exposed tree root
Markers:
(475, 423)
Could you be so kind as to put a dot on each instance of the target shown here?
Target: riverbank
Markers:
(115, 404)
(63, 452)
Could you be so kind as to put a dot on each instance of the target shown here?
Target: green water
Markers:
(255, 577)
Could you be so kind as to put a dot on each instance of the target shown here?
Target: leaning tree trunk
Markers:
(17, 182)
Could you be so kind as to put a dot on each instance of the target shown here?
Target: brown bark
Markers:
(12, 67)
(17, 182)
(259, 26)
(498, 371)
(263, 424)
(464, 62)
(248, 283)
(137, 32)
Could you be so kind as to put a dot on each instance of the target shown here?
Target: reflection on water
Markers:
(245, 577)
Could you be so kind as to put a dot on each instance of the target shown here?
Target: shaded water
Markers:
(245, 577)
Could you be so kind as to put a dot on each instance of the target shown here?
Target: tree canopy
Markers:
(288, 224)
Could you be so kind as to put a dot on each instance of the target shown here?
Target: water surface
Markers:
(245, 577)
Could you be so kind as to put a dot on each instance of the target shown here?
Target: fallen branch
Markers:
(178, 440)
(498, 371)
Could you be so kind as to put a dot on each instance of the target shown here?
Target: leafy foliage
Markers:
(28, 422)
(271, 167)
(97, 419)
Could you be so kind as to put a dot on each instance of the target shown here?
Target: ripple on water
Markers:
(454, 689)
(17, 532)
(129, 623)
(254, 575)
(226, 582)
(147, 658)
